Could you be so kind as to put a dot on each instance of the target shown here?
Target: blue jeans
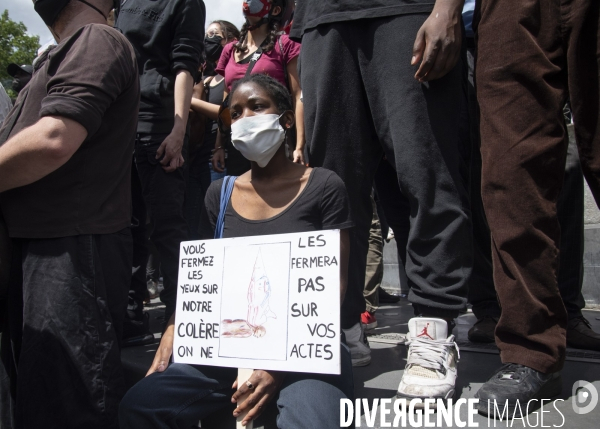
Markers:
(184, 394)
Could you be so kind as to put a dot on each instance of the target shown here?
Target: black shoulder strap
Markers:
(207, 83)
(255, 57)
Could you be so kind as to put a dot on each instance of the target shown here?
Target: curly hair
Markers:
(274, 89)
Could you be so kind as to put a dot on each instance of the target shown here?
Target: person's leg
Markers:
(419, 126)
(569, 210)
(521, 94)
(482, 294)
(198, 183)
(164, 196)
(318, 393)
(115, 256)
(69, 367)
(340, 137)
(374, 271)
(177, 398)
(584, 89)
(396, 208)
(139, 287)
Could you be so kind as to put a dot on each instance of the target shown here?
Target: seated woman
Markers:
(276, 196)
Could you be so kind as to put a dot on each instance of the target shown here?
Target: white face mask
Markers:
(258, 137)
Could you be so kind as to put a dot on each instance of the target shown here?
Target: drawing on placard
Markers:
(259, 310)
(255, 286)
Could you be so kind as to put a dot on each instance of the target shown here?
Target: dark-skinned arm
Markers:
(438, 41)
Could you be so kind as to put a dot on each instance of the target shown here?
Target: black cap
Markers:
(49, 10)
(13, 69)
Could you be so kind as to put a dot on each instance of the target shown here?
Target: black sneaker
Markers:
(483, 330)
(581, 336)
(387, 298)
(516, 383)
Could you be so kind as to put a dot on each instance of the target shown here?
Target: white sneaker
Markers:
(432, 360)
(360, 352)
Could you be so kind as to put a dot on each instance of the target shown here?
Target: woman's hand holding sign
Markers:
(257, 391)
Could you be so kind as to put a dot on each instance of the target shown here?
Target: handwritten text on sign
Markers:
(264, 302)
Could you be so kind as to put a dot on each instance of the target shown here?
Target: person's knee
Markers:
(323, 399)
(129, 409)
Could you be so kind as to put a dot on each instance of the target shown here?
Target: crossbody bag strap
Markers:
(255, 57)
(226, 191)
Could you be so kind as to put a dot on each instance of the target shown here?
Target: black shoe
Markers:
(387, 298)
(581, 336)
(514, 382)
(136, 332)
(483, 330)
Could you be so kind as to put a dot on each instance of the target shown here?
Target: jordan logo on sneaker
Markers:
(424, 332)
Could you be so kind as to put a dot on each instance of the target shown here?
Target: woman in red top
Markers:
(279, 59)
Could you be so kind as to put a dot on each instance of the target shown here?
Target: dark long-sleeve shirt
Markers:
(167, 36)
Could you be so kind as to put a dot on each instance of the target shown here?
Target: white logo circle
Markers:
(580, 394)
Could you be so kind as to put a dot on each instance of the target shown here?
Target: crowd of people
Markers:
(442, 121)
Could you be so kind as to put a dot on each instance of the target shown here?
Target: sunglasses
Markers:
(212, 33)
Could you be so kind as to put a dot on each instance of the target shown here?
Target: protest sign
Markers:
(265, 302)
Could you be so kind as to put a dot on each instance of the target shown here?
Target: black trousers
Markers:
(361, 100)
(164, 195)
(138, 289)
(66, 307)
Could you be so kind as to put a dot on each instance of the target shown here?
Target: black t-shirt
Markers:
(310, 13)
(92, 78)
(322, 204)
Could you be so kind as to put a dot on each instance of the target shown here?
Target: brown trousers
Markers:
(533, 55)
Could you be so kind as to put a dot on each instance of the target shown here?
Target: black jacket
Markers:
(167, 36)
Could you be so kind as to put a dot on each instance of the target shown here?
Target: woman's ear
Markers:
(276, 11)
(287, 119)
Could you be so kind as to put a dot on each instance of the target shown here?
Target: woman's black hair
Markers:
(276, 91)
(229, 30)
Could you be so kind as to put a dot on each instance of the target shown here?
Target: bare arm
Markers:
(172, 145)
(205, 108)
(344, 257)
(165, 349)
(39, 150)
(438, 42)
(294, 81)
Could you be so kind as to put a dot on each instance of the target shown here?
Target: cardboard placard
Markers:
(265, 302)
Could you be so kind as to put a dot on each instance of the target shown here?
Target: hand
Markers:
(266, 384)
(165, 349)
(218, 160)
(298, 157)
(171, 148)
(438, 42)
